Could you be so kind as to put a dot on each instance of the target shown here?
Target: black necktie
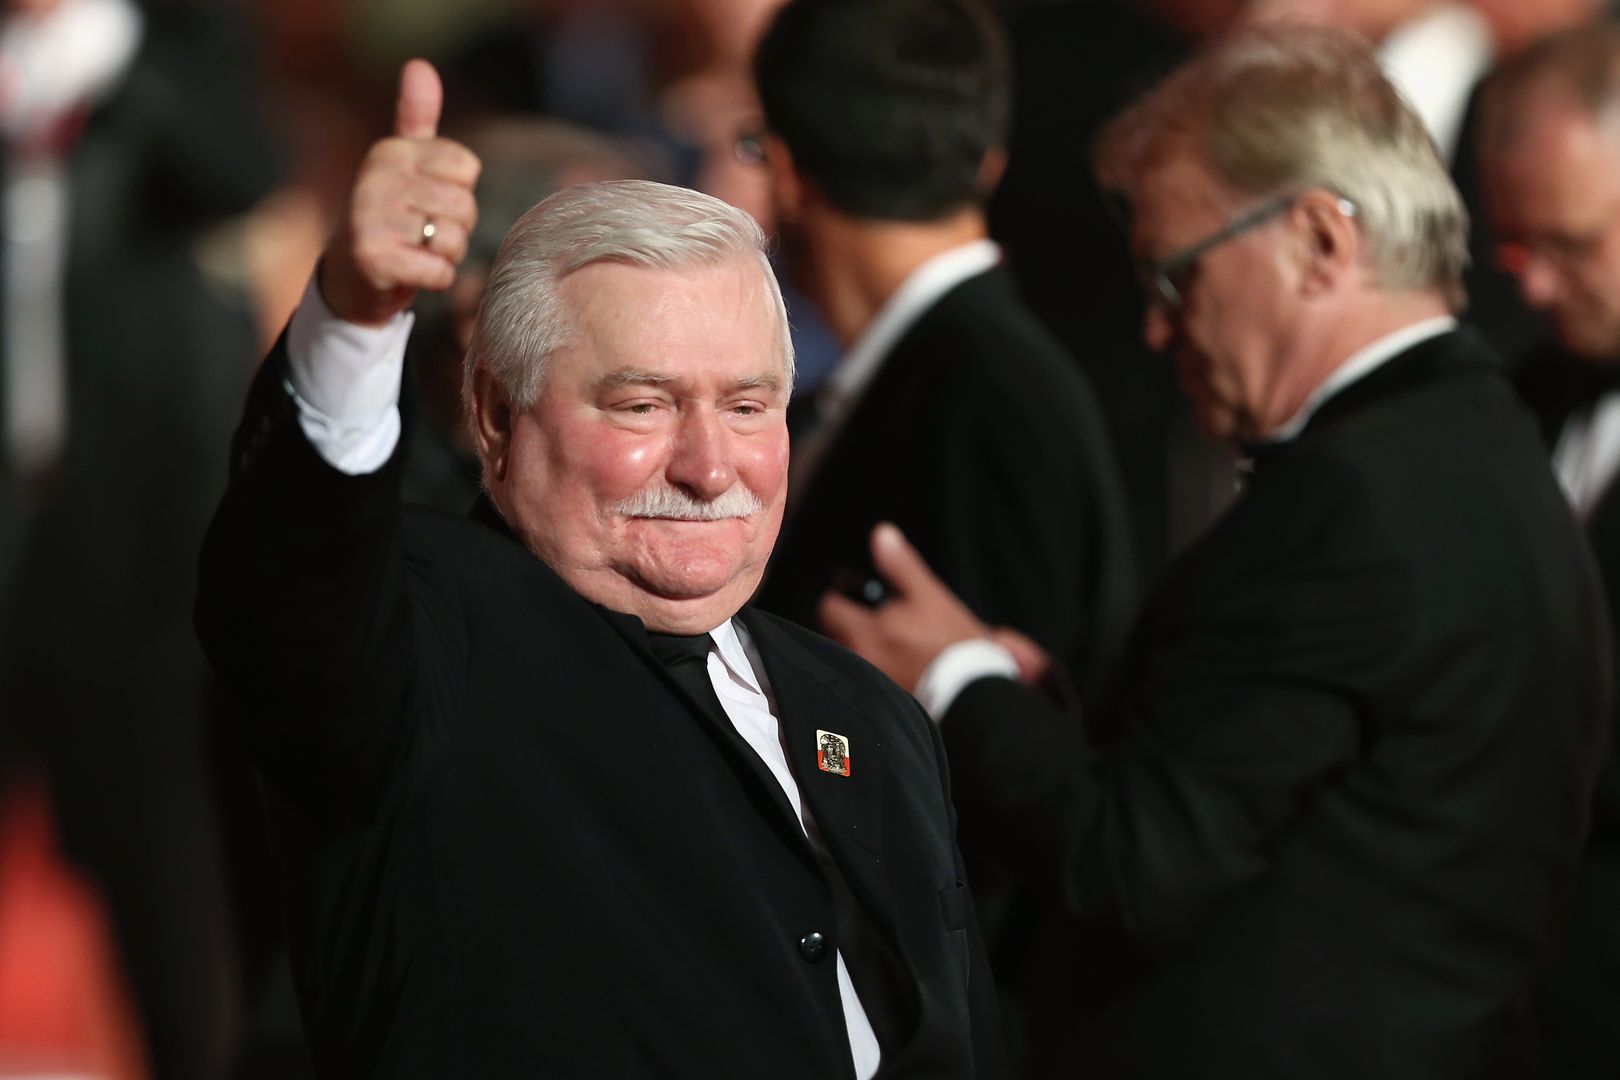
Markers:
(686, 658)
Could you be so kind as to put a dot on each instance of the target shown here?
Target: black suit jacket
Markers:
(512, 846)
(1363, 718)
(980, 440)
(1581, 996)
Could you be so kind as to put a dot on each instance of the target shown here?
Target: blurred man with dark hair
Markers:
(1550, 153)
(1361, 717)
(953, 412)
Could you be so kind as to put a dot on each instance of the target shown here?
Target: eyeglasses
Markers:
(1168, 280)
(750, 146)
(1566, 250)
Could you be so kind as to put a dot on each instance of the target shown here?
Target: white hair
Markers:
(521, 317)
(1285, 108)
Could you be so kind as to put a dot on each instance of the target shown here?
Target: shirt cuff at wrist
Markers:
(958, 665)
(344, 379)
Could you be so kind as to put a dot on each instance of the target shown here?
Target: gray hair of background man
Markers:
(1583, 63)
(522, 318)
(1283, 108)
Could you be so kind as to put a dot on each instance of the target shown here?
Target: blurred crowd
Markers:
(173, 169)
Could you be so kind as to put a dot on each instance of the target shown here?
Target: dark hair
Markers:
(888, 106)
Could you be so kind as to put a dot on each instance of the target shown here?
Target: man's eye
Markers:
(639, 408)
(746, 408)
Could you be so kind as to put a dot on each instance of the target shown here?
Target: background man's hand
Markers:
(381, 254)
(921, 618)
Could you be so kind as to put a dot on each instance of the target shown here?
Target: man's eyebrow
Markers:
(631, 377)
(772, 383)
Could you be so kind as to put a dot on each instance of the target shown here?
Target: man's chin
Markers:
(1590, 343)
(686, 607)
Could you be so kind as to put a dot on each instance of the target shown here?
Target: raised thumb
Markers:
(420, 100)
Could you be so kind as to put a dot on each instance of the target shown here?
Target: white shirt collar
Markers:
(728, 641)
(1360, 364)
(1435, 60)
(922, 287)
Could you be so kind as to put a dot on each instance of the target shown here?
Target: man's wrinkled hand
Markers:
(383, 252)
(920, 619)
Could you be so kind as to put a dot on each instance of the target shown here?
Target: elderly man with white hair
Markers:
(547, 800)
(1340, 810)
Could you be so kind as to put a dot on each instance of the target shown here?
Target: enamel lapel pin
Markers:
(832, 752)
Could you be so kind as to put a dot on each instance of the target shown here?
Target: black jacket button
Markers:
(813, 946)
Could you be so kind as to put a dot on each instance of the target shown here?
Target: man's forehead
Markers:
(1561, 159)
(1173, 195)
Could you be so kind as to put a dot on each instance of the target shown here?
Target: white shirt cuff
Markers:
(957, 666)
(344, 380)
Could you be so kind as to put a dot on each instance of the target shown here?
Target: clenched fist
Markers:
(409, 215)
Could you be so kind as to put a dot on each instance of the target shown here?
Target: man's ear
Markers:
(992, 167)
(1330, 243)
(787, 185)
(491, 423)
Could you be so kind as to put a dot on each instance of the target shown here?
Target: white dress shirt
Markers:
(968, 661)
(847, 384)
(1587, 457)
(344, 381)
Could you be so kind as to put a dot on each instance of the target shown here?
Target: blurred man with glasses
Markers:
(1550, 157)
(1339, 810)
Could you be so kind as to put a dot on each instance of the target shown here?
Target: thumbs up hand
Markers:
(409, 215)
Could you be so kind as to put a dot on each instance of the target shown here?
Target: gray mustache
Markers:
(667, 501)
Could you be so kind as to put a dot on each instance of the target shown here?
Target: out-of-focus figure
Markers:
(130, 136)
(1550, 154)
(1343, 809)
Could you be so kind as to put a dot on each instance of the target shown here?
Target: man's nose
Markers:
(1539, 282)
(700, 460)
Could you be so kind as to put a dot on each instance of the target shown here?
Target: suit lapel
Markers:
(848, 809)
(758, 779)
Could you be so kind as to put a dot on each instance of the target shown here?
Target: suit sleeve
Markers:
(1241, 709)
(303, 604)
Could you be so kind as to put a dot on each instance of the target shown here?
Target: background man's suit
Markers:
(512, 845)
(1581, 998)
(1362, 721)
(102, 685)
(980, 441)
